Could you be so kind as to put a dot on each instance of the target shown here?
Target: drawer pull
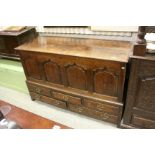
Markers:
(65, 98)
(80, 109)
(57, 102)
(123, 68)
(100, 107)
(37, 90)
(104, 116)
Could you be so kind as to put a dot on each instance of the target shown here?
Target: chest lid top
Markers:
(81, 47)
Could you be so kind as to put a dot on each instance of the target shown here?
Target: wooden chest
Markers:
(10, 40)
(140, 104)
(82, 75)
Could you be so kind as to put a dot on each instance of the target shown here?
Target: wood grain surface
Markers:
(88, 48)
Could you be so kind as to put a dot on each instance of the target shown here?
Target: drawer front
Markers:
(79, 104)
(143, 122)
(39, 90)
(67, 98)
(48, 100)
(100, 106)
(93, 113)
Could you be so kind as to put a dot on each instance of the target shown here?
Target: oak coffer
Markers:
(85, 76)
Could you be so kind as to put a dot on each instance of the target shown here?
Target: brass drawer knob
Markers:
(104, 116)
(80, 109)
(57, 102)
(65, 98)
(100, 107)
(37, 90)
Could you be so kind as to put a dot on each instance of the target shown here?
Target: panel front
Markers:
(91, 75)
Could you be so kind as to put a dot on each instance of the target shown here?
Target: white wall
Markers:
(115, 28)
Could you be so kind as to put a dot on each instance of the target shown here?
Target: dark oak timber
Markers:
(140, 102)
(10, 40)
(82, 75)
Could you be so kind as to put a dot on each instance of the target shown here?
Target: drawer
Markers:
(143, 122)
(93, 113)
(101, 106)
(39, 90)
(48, 100)
(67, 98)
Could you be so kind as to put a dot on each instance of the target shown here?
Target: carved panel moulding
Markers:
(74, 73)
(52, 75)
(107, 86)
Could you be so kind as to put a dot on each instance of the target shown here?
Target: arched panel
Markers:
(52, 72)
(105, 82)
(32, 67)
(76, 77)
